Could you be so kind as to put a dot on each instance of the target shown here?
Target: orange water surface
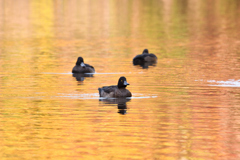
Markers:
(184, 107)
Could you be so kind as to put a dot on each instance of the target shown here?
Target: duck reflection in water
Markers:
(81, 76)
(121, 103)
(145, 59)
(145, 65)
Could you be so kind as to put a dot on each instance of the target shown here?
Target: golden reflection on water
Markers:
(181, 107)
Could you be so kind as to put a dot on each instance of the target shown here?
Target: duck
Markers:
(144, 57)
(82, 67)
(116, 91)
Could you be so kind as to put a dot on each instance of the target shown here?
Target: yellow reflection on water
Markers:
(42, 18)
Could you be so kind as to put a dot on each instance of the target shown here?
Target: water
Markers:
(184, 107)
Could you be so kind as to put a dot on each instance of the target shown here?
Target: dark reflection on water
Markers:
(81, 76)
(143, 64)
(121, 103)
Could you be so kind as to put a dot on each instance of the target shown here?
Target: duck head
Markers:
(122, 82)
(145, 51)
(80, 62)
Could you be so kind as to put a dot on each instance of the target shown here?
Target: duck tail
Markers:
(100, 89)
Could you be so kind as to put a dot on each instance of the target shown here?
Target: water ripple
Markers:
(228, 83)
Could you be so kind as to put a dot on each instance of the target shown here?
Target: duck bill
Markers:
(125, 83)
(82, 64)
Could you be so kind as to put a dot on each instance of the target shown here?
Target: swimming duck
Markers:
(82, 67)
(116, 90)
(144, 57)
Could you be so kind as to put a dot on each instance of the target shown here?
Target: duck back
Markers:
(87, 69)
(114, 91)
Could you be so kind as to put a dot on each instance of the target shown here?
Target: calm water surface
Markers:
(187, 106)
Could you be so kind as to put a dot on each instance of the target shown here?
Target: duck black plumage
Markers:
(116, 90)
(144, 57)
(82, 67)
